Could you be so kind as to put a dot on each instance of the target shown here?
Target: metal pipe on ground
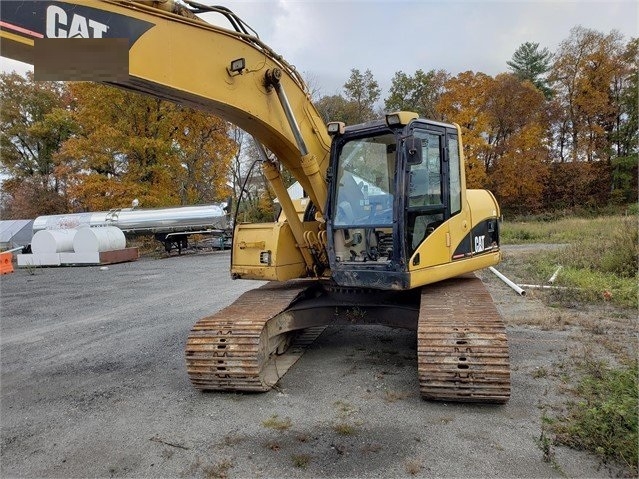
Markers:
(543, 286)
(555, 274)
(514, 287)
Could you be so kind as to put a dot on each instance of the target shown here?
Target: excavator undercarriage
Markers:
(461, 340)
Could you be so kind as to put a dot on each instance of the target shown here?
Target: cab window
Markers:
(455, 174)
(425, 193)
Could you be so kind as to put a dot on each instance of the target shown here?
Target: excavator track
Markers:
(249, 345)
(462, 347)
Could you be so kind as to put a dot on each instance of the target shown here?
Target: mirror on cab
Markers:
(413, 147)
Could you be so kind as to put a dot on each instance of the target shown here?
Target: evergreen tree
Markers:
(530, 63)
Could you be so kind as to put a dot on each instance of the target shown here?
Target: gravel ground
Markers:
(93, 384)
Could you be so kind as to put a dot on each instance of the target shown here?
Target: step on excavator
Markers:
(387, 232)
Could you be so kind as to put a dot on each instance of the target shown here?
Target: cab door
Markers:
(427, 236)
(459, 224)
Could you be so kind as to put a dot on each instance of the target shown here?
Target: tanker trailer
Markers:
(170, 226)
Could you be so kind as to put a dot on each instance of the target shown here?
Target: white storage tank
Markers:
(95, 240)
(53, 241)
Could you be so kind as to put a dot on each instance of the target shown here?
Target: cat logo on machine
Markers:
(61, 25)
(61, 20)
(479, 243)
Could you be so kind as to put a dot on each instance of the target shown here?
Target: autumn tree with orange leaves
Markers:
(519, 153)
(35, 122)
(135, 146)
(463, 102)
(503, 128)
(594, 79)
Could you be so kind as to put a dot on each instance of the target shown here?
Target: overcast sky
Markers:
(326, 39)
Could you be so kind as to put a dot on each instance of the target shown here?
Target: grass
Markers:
(274, 422)
(413, 466)
(218, 470)
(603, 419)
(565, 230)
(446, 419)
(31, 269)
(545, 444)
(394, 396)
(600, 261)
(372, 447)
(344, 428)
(273, 445)
(562, 230)
(301, 461)
(344, 408)
(232, 439)
(540, 373)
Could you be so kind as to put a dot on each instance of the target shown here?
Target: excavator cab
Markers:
(392, 184)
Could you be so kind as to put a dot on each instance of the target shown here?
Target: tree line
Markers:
(558, 130)
(88, 147)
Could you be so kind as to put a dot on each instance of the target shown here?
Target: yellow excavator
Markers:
(387, 233)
